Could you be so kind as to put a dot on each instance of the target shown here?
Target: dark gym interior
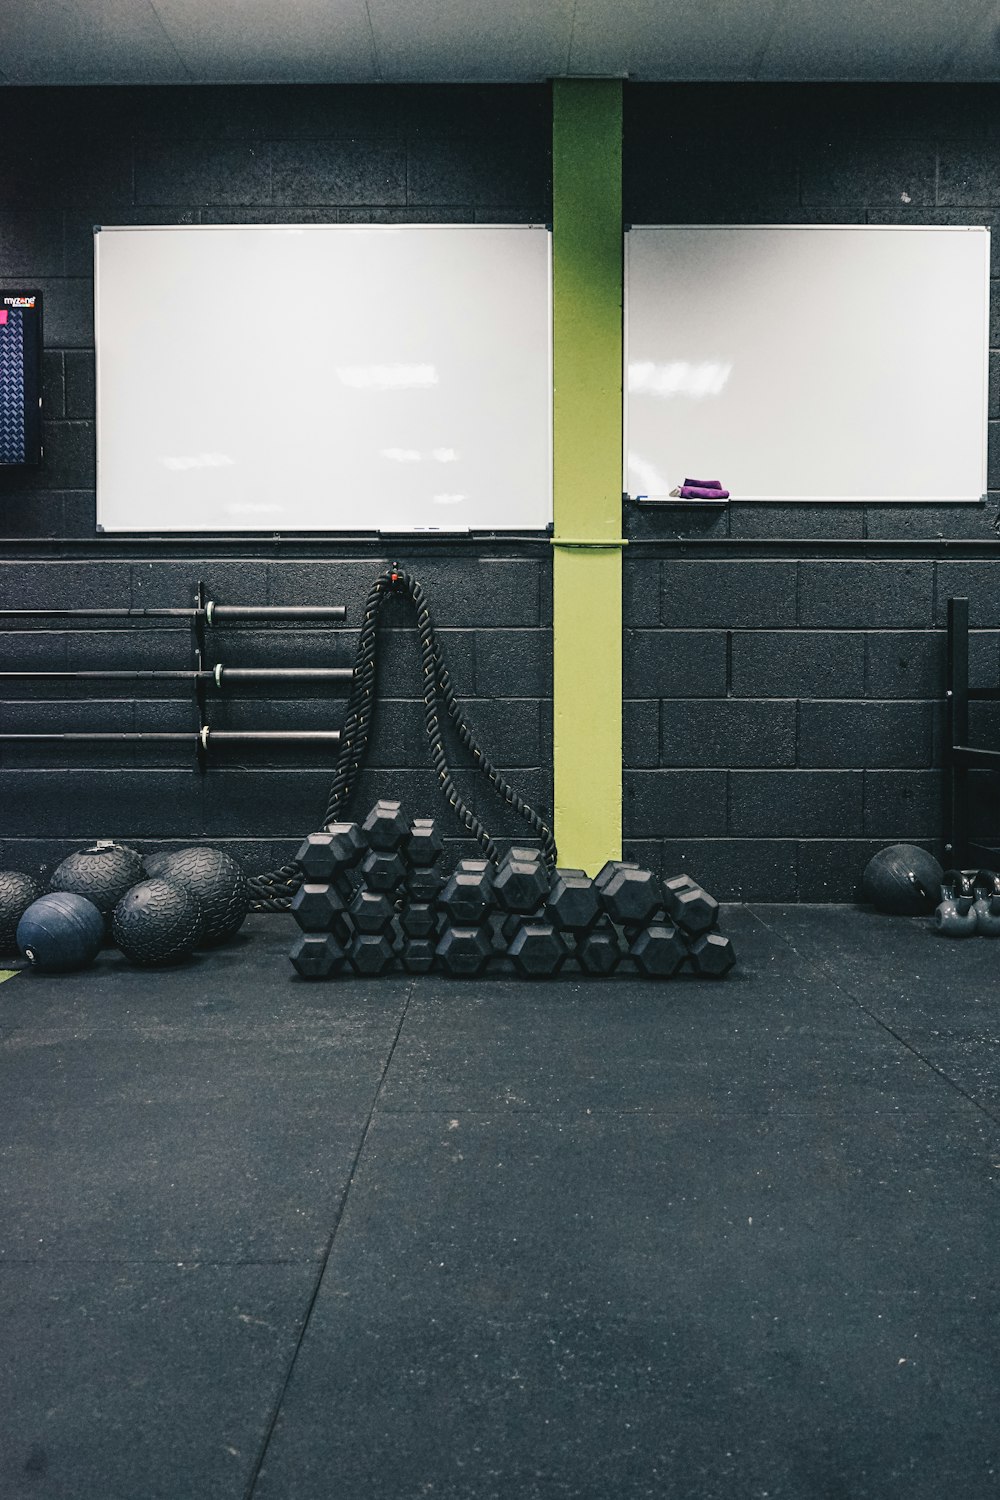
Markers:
(572, 1237)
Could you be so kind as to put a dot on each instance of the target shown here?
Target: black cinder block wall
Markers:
(783, 665)
(74, 158)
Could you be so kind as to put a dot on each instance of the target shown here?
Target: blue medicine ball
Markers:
(60, 932)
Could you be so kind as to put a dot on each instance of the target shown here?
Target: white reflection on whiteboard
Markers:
(449, 499)
(414, 456)
(198, 461)
(678, 378)
(651, 481)
(252, 508)
(387, 377)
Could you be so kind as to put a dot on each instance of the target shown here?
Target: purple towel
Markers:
(702, 484)
(702, 492)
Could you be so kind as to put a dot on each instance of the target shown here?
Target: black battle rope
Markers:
(274, 891)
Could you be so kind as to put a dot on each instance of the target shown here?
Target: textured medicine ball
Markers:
(156, 864)
(903, 880)
(61, 931)
(17, 892)
(218, 882)
(157, 922)
(102, 872)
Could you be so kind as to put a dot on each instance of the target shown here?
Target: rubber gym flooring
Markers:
(419, 1237)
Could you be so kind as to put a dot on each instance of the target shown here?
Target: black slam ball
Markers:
(60, 932)
(903, 880)
(102, 872)
(17, 892)
(220, 885)
(157, 922)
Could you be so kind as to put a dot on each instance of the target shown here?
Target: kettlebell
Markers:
(956, 915)
(987, 903)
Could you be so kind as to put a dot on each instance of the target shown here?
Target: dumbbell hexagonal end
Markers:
(468, 891)
(658, 951)
(425, 883)
(424, 844)
(574, 902)
(417, 955)
(712, 955)
(537, 951)
(606, 871)
(348, 843)
(315, 857)
(316, 956)
(631, 896)
(371, 953)
(385, 826)
(691, 908)
(417, 919)
(599, 951)
(315, 907)
(382, 869)
(463, 951)
(370, 911)
(520, 885)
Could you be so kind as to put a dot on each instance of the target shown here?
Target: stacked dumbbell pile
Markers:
(375, 898)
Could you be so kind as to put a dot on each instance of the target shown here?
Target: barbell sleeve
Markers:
(217, 674)
(203, 737)
(212, 613)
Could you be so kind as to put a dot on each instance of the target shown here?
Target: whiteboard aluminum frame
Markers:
(418, 531)
(815, 499)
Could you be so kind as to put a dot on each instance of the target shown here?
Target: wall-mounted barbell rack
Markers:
(204, 615)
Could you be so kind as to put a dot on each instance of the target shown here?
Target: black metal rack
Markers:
(960, 756)
(203, 615)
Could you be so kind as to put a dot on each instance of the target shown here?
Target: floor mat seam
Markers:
(325, 1259)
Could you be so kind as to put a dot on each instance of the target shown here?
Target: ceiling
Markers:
(418, 41)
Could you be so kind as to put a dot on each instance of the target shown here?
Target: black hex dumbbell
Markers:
(537, 951)
(417, 954)
(521, 882)
(631, 896)
(382, 869)
(467, 894)
(370, 911)
(658, 951)
(612, 866)
(385, 826)
(712, 955)
(316, 955)
(418, 919)
(689, 906)
(574, 902)
(424, 845)
(324, 855)
(315, 907)
(463, 951)
(425, 883)
(371, 953)
(599, 950)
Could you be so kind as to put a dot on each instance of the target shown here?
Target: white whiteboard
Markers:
(323, 378)
(818, 363)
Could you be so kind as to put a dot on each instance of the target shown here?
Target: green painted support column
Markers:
(587, 451)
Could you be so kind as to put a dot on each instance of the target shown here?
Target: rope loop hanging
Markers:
(274, 891)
